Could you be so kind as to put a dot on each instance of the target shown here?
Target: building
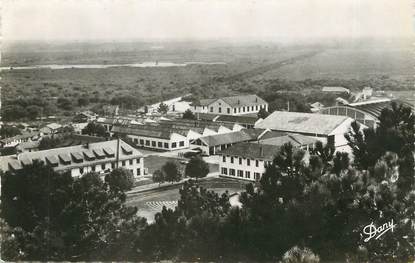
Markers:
(365, 112)
(297, 140)
(85, 116)
(50, 129)
(246, 161)
(29, 146)
(100, 157)
(316, 106)
(327, 128)
(336, 90)
(171, 135)
(234, 105)
(16, 140)
(212, 144)
(245, 121)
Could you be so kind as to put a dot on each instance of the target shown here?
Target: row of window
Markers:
(240, 109)
(113, 166)
(240, 160)
(157, 144)
(240, 173)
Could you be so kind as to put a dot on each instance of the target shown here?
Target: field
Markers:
(247, 68)
(149, 203)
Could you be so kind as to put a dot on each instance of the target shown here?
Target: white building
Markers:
(172, 135)
(234, 105)
(100, 157)
(246, 161)
(16, 140)
(327, 128)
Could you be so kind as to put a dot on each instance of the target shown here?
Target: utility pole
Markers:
(118, 151)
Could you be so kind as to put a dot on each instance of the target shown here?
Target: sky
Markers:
(204, 19)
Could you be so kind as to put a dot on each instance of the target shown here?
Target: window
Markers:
(240, 173)
(160, 144)
(93, 168)
(147, 142)
(234, 110)
(228, 110)
(239, 109)
(166, 145)
(240, 160)
(153, 143)
(103, 166)
(232, 172)
(123, 163)
(248, 162)
(131, 162)
(137, 160)
(224, 159)
(211, 109)
(174, 145)
(138, 171)
(112, 165)
(224, 171)
(256, 176)
(181, 144)
(247, 174)
(135, 141)
(231, 159)
(252, 108)
(256, 163)
(141, 142)
(256, 107)
(220, 110)
(243, 109)
(81, 170)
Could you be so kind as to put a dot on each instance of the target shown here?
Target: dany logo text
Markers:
(371, 231)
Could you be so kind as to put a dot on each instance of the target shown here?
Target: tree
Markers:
(9, 131)
(33, 111)
(188, 114)
(163, 108)
(64, 103)
(95, 130)
(60, 218)
(171, 172)
(120, 180)
(197, 168)
(49, 143)
(158, 177)
(300, 255)
(83, 101)
(262, 113)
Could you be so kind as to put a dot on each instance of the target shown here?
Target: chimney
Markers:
(261, 151)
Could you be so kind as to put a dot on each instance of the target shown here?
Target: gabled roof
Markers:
(243, 100)
(298, 122)
(76, 154)
(231, 137)
(252, 151)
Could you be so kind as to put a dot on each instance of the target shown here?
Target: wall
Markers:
(131, 164)
(243, 167)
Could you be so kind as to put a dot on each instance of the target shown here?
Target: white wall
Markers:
(130, 164)
(252, 168)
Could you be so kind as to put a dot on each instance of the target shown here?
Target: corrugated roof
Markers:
(302, 122)
(252, 151)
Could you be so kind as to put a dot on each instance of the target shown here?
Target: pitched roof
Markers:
(335, 89)
(299, 122)
(232, 137)
(78, 155)
(296, 140)
(238, 119)
(24, 135)
(28, 145)
(252, 151)
(243, 100)
(54, 126)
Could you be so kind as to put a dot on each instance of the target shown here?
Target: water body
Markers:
(98, 66)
